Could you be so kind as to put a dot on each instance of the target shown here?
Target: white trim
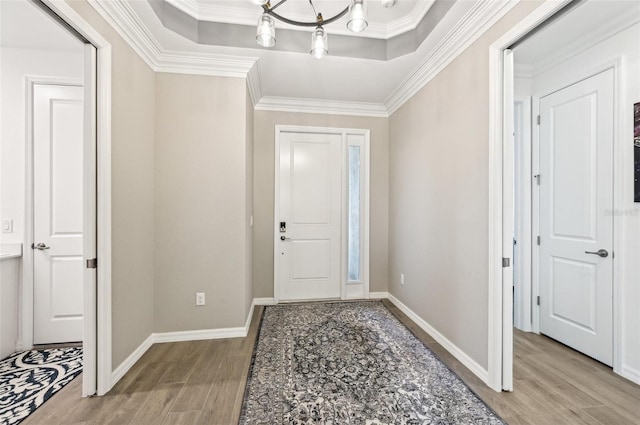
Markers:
(200, 334)
(103, 104)
(128, 363)
(630, 373)
(523, 232)
(453, 349)
(121, 16)
(344, 132)
(475, 23)
(378, 295)
(264, 301)
(254, 83)
(205, 11)
(496, 301)
(319, 106)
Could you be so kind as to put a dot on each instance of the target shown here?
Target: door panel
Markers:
(310, 205)
(58, 213)
(576, 204)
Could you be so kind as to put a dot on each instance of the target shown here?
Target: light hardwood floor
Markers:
(202, 382)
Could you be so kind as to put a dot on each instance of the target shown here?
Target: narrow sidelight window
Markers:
(354, 251)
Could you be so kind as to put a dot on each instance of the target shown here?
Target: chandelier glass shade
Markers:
(357, 16)
(266, 32)
(319, 43)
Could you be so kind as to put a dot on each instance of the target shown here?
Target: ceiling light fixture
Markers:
(266, 33)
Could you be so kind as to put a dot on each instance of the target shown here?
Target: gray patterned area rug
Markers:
(351, 363)
(29, 378)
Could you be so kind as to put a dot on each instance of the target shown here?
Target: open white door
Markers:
(89, 341)
(576, 220)
(507, 221)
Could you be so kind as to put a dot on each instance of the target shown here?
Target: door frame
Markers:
(346, 290)
(501, 200)
(100, 307)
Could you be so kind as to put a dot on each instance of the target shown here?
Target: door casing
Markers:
(100, 306)
(348, 291)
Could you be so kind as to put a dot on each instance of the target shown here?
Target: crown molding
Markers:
(254, 83)
(317, 106)
(410, 21)
(204, 11)
(475, 23)
(120, 15)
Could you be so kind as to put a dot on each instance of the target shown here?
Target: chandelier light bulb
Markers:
(388, 3)
(319, 43)
(259, 2)
(357, 16)
(266, 36)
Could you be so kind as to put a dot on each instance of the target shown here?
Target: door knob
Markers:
(284, 238)
(601, 252)
(40, 246)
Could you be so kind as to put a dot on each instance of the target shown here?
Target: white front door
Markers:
(576, 219)
(58, 213)
(308, 240)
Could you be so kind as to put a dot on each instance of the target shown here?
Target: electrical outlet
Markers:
(401, 278)
(200, 298)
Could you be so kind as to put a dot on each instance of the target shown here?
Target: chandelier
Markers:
(356, 22)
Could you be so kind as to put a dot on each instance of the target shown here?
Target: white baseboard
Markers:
(264, 301)
(241, 332)
(463, 357)
(631, 374)
(199, 335)
(128, 363)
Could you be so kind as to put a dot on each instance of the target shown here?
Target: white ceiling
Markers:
(24, 25)
(301, 76)
(383, 22)
(587, 23)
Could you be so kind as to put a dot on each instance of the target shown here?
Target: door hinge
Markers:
(538, 299)
(537, 177)
(506, 262)
(538, 240)
(92, 263)
(538, 119)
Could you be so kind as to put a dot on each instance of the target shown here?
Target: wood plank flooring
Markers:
(202, 382)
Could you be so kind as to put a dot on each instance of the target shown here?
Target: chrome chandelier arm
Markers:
(320, 21)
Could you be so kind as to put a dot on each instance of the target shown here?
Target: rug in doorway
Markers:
(29, 378)
(351, 363)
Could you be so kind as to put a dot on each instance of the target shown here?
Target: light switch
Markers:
(7, 226)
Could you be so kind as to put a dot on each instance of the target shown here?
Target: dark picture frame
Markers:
(636, 150)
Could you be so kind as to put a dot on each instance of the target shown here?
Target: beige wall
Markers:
(131, 190)
(438, 167)
(264, 131)
(200, 202)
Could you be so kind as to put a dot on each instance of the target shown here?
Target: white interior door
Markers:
(58, 213)
(309, 210)
(576, 220)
